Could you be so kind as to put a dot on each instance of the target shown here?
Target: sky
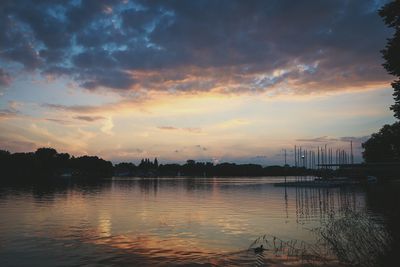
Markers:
(209, 80)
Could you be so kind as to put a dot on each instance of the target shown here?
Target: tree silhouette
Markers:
(155, 163)
(45, 153)
(391, 16)
(47, 163)
(383, 146)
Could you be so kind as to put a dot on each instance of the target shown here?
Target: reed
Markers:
(293, 250)
(349, 239)
(355, 239)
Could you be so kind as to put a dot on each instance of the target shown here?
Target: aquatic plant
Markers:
(291, 250)
(349, 239)
(355, 239)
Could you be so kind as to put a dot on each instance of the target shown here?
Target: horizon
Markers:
(206, 80)
(291, 162)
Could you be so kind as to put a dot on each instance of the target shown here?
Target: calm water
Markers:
(161, 221)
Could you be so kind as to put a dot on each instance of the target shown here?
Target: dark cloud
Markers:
(52, 55)
(235, 45)
(74, 108)
(24, 54)
(5, 78)
(167, 128)
(94, 78)
(7, 113)
(60, 121)
(89, 118)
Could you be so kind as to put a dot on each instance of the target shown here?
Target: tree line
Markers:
(47, 163)
(203, 169)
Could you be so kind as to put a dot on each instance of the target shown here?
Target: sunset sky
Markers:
(209, 80)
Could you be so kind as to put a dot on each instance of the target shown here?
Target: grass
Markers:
(351, 239)
(355, 239)
(293, 250)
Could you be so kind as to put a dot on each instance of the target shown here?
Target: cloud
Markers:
(123, 154)
(134, 100)
(181, 46)
(322, 139)
(188, 129)
(202, 148)
(41, 132)
(10, 112)
(89, 118)
(17, 146)
(5, 78)
(73, 108)
(192, 129)
(326, 139)
(167, 128)
(15, 105)
(60, 121)
(355, 139)
(108, 126)
(7, 113)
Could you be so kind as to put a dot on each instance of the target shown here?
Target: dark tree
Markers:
(155, 163)
(383, 146)
(45, 153)
(124, 169)
(190, 162)
(391, 15)
(45, 164)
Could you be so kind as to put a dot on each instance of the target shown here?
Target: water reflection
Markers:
(161, 221)
(322, 202)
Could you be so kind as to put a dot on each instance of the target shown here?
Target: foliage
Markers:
(391, 16)
(204, 169)
(383, 146)
(46, 163)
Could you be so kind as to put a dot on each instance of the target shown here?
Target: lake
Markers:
(173, 221)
